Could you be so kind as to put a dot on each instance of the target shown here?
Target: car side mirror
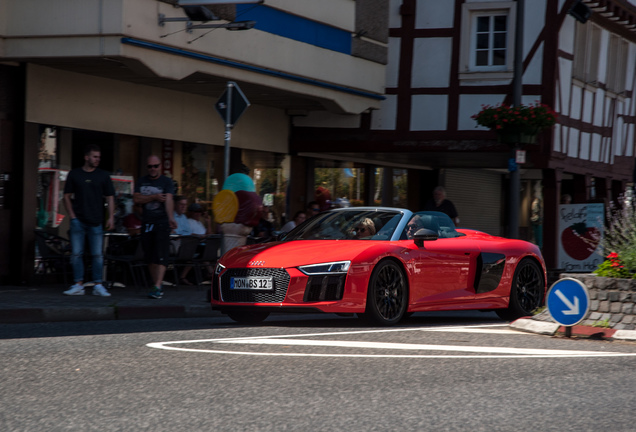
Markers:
(424, 234)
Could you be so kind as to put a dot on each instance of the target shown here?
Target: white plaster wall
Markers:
(566, 35)
(534, 15)
(386, 117)
(471, 104)
(588, 105)
(534, 71)
(395, 19)
(559, 131)
(572, 143)
(392, 69)
(429, 112)
(577, 100)
(584, 151)
(564, 87)
(434, 14)
(595, 148)
(431, 62)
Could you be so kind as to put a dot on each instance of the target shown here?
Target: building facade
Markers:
(449, 59)
(141, 77)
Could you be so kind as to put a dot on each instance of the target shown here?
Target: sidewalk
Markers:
(46, 303)
(545, 325)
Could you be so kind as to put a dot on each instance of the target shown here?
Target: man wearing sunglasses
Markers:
(154, 191)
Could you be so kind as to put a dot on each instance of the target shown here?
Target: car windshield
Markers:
(434, 221)
(348, 225)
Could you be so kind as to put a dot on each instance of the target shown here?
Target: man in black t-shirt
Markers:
(441, 204)
(155, 192)
(84, 193)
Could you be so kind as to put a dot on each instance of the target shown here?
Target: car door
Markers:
(442, 270)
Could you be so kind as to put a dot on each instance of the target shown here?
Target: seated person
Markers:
(132, 222)
(200, 222)
(413, 226)
(200, 225)
(180, 206)
(364, 229)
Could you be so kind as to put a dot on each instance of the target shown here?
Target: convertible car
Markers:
(381, 264)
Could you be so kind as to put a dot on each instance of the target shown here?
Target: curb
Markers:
(39, 315)
(551, 329)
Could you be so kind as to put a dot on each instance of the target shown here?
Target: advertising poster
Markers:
(580, 231)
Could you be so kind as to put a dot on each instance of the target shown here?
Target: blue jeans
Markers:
(79, 232)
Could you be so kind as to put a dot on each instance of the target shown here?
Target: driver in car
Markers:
(413, 226)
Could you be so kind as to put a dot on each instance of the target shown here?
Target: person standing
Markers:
(84, 194)
(155, 192)
(441, 204)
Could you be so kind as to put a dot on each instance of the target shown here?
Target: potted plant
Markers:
(516, 124)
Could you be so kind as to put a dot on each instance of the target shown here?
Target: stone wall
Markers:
(612, 301)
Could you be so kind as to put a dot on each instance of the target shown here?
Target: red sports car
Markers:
(382, 264)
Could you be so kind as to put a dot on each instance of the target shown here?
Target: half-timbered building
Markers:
(449, 58)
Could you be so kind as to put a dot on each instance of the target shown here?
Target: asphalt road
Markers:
(436, 372)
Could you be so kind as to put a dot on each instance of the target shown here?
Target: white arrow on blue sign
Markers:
(568, 301)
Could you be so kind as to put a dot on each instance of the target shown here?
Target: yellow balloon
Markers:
(225, 206)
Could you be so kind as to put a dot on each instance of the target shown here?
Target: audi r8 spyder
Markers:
(381, 264)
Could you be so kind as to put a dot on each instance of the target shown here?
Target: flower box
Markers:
(518, 124)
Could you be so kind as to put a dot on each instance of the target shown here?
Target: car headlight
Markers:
(339, 267)
(219, 268)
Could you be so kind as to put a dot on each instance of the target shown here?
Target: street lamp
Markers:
(517, 92)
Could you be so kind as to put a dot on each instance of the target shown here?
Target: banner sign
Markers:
(580, 232)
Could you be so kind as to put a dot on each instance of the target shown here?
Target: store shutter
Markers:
(477, 197)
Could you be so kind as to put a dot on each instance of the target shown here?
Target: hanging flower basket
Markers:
(518, 124)
(512, 136)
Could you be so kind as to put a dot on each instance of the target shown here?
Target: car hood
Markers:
(296, 253)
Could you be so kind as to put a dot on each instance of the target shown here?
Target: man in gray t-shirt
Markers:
(154, 191)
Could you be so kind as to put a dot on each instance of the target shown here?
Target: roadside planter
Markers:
(612, 301)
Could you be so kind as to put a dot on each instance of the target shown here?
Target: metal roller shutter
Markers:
(477, 197)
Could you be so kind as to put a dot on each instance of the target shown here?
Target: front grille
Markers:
(325, 287)
(277, 295)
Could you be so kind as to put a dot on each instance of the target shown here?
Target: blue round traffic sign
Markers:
(568, 301)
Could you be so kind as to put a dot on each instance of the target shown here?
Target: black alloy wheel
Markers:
(387, 296)
(527, 292)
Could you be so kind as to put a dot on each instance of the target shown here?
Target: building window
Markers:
(616, 64)
(487, 40)
(586, 53)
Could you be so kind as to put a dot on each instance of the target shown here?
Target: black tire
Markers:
(248, 317)
(527, 292)
(387, 294)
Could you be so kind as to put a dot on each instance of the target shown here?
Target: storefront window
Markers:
(47, 155)
(400, 187)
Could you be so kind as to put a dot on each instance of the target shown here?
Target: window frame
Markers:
(470, 13)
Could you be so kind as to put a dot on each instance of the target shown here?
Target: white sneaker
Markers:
(76, 289)
(99, 290)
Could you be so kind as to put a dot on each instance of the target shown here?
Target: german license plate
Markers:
(252, 283)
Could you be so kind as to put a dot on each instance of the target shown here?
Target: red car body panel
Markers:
(441, 273)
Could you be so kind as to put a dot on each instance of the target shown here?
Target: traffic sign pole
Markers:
(228, 130)
(230, 106)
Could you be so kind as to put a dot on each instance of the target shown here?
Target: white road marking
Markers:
(300, 340)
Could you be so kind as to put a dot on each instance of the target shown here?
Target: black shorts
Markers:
(155, 240)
